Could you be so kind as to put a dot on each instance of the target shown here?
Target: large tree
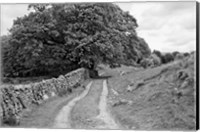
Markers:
(54, 37)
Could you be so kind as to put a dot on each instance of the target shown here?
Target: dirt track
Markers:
(104, 114)
(85, 108)
(90, 112)
(62, 120)
(149, 107)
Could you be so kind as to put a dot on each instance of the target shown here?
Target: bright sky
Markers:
(166, 26)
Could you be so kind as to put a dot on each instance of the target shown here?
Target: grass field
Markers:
(166, 101)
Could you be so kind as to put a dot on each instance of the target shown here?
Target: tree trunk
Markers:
(93, 73)
(92, 70)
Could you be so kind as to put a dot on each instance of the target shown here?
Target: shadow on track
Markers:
(101, 77)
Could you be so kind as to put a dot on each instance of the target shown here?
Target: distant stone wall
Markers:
(15, 100)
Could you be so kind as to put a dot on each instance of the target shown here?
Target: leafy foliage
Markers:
(158, 53)
(156, 60)
(152, 61)
(166, 57)
(146, 62)
(56, 37)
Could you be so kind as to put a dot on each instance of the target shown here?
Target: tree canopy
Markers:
(56, 37)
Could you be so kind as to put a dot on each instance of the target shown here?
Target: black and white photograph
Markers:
(99, 65)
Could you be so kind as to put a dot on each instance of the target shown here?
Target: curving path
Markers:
(89, 110)
(63, 118)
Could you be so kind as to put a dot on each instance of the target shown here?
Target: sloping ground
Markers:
(164, 101)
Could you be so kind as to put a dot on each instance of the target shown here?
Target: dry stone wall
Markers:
(15, 100)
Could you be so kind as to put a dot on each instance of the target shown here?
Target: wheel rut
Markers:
(63, 118)
(89, 110)
(104, 113)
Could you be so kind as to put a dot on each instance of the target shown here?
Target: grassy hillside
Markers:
(163, 100)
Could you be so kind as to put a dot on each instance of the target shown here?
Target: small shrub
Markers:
(168, 57)
(179, 56)
(186, 54)
(156, 60)
(158, 53)
(143, 63)
(175, 53)
(146, 63)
